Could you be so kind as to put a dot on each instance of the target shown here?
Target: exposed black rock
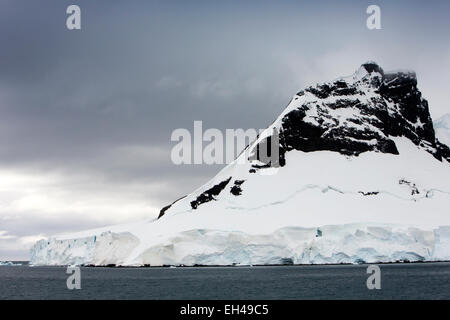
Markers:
(268, 152)
(370, 193)
(163, 210)
(444, 150)
(258, 166)
(300, 135)
(372, 67)
(236, 189)
(413, 187)
(209, 194)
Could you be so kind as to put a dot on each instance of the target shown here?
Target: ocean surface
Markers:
(398, 281)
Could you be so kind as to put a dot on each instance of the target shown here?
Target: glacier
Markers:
(350, 243)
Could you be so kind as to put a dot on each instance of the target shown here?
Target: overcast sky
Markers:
(86, 116)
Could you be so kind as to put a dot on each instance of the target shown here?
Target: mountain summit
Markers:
(360, 177)
(351, 115)
(359, 113)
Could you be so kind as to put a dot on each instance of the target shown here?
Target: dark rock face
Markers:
(299, 135)
(163, 210)
(411, 185)
(444, 150)
(268, 152)
(236, 189)
(370, 193)
(359, 115)
(209, 194)
(372, 67)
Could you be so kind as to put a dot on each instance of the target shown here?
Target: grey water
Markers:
(398, 281)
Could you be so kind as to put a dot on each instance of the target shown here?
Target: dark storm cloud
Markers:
(131, 75)
(102, 102)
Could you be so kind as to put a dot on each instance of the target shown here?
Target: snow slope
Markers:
(374, 186)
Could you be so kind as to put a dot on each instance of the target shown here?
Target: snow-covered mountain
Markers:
(442, 128)
(360, 177)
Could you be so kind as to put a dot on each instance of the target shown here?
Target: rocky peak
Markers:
(369, 73)
(357, 114)
(372, 67)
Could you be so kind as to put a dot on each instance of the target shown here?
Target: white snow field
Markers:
(321, 207)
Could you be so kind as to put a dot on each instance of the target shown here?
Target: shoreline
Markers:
(26, 263)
